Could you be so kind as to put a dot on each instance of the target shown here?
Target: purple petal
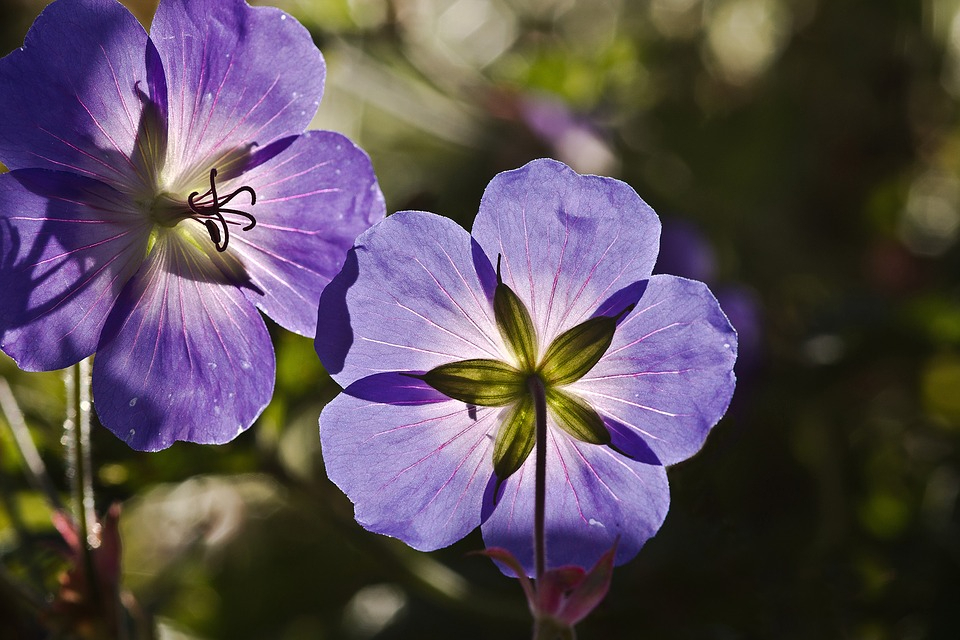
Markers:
(183, 356)
(408, 299)
(568, 241)
(313, 199)
(414, 472)
(70, 96)
(69, 244)
(593, 496)
(668, 375)
(236, 76)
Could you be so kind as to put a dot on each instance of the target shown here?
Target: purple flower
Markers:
(436, 335)
(162, 189)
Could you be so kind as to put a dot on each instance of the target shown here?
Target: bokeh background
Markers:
(804, 156)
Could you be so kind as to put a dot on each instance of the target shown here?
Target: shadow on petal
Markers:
(394, 387)
(621, 300)
(628, 442)
(485, 270)
(491, 500)
(334, 331)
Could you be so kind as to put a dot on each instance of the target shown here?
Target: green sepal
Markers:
(485, 383)
(515, 439)
(514, 322)
(574, 352)
(577, 418)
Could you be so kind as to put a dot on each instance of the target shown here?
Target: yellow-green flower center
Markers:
(494, 383)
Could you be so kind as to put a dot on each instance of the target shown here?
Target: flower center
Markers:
(208, 209)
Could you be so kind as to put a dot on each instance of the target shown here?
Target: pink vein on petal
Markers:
(635, 404)
(642, 338)
(439, 449)
(589, 466)
(460, 309)
(302, 195)
(566, 476)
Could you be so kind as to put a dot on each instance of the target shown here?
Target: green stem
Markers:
(535, 384)
(79, 468)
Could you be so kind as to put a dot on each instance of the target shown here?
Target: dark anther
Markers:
(209, 212)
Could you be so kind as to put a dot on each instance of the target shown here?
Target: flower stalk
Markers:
(76, 431)
(539, 394)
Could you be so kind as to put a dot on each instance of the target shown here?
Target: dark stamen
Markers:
(210, 213)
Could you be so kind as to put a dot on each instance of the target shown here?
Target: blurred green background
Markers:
(815, 147)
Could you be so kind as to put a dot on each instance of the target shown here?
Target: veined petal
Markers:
(313, 199)
(593, 495)
(78, 83)
(568, 242)
(408, 299)
(668, 374)
(414, 472)
(237, 76)
(68, 246)
(184, 356)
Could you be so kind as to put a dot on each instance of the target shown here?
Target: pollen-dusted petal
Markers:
(237, 76)
(70, 99)
(183, 356)
(414, 472)
(409, 298)
(593, 495)
(569, 242)
(668, 375)
(313, 199)
(68, 245)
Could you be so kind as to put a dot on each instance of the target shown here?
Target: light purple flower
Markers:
(417, 293)
(162, 189)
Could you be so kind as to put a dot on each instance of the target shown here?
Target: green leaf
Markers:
(515, 440)
(574, 352)
(577, 418)
(486, 383)
(514, 322)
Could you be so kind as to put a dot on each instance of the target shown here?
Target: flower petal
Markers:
(183, 356)
(69, 244)
(414, 472)
(313, 199)
(71, 99)
(236, 76)
(408, 299)
(593, 495)
(668, 374)
(568, 241)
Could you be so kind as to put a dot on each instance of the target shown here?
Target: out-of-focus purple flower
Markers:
(571, 138)
(554, 287)
(685, 251)
(162, 189)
